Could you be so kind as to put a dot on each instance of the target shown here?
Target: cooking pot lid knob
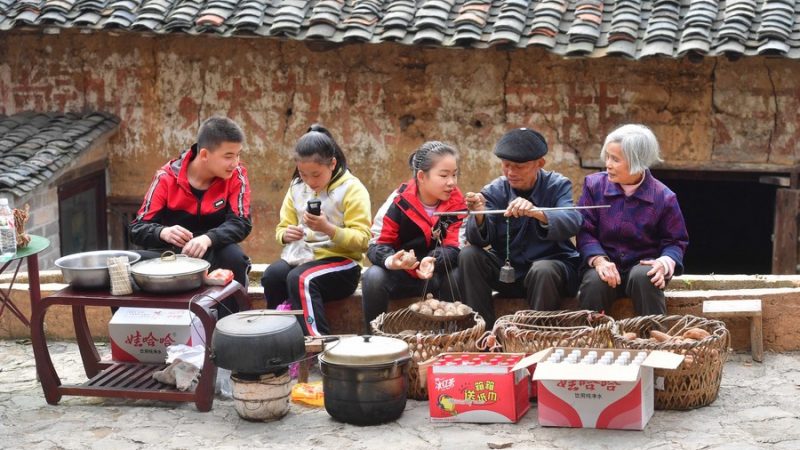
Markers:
(366, 337)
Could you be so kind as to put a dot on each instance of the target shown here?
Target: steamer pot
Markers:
(251, 342)
(365, 379)
(170, 273)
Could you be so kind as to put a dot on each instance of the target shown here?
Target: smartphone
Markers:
(314, 206)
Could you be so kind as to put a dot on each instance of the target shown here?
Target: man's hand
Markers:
(476, 202)
(522, 207)
(402, 260)
(657, 273)
(607, 271)
(293, 233)
(425, 269)
(197, 247)
(176, 235)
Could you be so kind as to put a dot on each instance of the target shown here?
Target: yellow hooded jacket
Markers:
(345, 204)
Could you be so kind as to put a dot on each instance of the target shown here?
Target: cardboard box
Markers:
(598, 396)
(478, 387)
(143, 334)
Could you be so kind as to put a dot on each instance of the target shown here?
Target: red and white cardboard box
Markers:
(478, 387)
(143, 334)
(598, 396)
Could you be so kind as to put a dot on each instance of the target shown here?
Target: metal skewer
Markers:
(502, 211)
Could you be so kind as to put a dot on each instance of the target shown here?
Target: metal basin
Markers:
(89, 270)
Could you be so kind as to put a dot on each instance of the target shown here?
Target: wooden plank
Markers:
(272, 312)
(732, 308)
(784, 244)
(756, 339)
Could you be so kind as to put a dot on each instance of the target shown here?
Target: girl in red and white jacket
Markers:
(412, 251)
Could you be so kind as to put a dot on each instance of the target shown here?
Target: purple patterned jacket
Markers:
(646, 225)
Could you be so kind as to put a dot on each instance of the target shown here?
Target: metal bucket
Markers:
(264, 399)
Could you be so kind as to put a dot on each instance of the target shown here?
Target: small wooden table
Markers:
(31, 254)
(128, 380)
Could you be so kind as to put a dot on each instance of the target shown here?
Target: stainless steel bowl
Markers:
(89, 270)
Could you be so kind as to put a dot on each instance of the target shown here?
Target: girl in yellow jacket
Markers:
(325, 230)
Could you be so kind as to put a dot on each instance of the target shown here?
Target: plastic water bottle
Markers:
(8, 233)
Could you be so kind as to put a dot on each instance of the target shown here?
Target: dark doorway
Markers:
(82, 214)
(729, 217)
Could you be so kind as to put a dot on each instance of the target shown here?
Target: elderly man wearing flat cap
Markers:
(536, 244)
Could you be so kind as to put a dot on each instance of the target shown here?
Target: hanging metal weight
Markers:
(507, 274)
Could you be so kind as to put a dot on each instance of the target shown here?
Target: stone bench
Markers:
(751, 309)
(780, 295)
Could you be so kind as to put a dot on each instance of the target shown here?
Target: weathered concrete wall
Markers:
(383, 101)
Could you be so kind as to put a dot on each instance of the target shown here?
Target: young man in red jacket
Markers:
(199, 204)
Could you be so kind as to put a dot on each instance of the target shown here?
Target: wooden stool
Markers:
(741, 308)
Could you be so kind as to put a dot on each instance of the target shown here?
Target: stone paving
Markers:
(757, 408)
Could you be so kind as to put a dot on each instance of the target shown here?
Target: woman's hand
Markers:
(293, 233)
(319, 223)
(425, 269)
(607, 271)
(657, 274)
(403, 260)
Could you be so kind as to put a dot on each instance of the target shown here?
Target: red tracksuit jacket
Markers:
(223, 215)
(406, 225)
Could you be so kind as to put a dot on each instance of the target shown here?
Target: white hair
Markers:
(639, 146)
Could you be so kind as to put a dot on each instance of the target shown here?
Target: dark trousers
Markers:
(379, 284)
(308, 286)
(543, 286)
(229, 257)
(597, 295)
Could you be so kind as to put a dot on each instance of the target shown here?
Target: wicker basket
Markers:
(532, 331)
(695, 382)
(428, 338)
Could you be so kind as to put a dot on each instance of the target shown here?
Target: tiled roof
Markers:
(574, 28)
(34, 146)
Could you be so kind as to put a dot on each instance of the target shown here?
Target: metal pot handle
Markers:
(169, 255)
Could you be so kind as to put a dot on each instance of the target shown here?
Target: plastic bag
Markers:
(224, 386)
(193, 355)
(219, 277)
(308, 393)
(296, 253)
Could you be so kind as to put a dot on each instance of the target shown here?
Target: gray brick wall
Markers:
(43, 221)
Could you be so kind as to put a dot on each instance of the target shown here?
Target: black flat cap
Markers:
(521, 145)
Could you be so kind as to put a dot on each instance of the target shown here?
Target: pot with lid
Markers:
(170, 273)
(365, 379)
(252, 343)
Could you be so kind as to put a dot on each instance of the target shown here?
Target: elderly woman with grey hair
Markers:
(637, 245)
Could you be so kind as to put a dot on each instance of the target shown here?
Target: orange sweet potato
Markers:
(659, 336)
(696, 333)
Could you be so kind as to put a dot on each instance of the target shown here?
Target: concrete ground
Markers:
(757, 408)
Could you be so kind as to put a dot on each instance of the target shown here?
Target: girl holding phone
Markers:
(328, 210)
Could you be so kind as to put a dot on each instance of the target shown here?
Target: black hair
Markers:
(427, 154)
(319, 145)
(217, 130)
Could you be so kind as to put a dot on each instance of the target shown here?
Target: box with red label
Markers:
(478, 387)
(143, 334)
(597, 388)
